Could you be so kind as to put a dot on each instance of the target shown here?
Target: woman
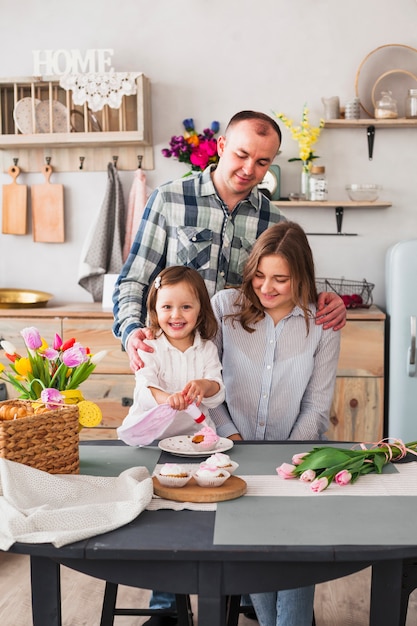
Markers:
(279, 368)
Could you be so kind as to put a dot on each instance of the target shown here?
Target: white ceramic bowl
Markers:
(366, 192)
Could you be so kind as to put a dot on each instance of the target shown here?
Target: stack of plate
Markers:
(392, 67)
(35, 116)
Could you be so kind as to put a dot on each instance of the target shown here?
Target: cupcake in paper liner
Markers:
(173, 475)
(209, 476)
(222, 461)
(205, 439)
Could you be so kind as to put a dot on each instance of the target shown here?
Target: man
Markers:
(208, 222)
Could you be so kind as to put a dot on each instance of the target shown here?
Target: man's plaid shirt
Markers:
(186, 223)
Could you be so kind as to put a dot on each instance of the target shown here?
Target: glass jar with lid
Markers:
(411, 104)
(317, 184)
(386, 107)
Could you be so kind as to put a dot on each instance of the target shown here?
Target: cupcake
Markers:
(173, 475)
(210, 476)
(222, 461)
(205, 439)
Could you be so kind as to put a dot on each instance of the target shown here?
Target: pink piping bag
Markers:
(141, 430)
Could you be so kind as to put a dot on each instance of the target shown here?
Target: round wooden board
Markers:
(234, 487)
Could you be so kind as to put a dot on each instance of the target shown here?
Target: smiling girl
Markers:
(184, 366)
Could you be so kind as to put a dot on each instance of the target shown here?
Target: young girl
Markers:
(184, 366)
(279, 368)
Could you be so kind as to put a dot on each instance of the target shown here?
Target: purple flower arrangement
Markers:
(196, 149)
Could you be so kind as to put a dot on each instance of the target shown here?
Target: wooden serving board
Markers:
(234, 487)
(14, 220)
(48, 210)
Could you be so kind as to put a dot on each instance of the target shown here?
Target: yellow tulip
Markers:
(23, 366)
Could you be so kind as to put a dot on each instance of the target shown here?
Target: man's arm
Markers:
(146, 259)
(331, 311)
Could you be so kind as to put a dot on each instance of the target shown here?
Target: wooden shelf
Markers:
(331, 204)
(337, 206)
(400, 122)
(124, 133)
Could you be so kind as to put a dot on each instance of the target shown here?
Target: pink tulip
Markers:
(319, 484)
(57, 342)
(343, 478)
(298, 458)
(31, 337)
(308, 476)
(286, 470)
(50, 354)
(73, 357)
(51, 397)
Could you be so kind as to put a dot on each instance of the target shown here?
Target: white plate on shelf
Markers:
(59, 117)
(181, 446)
(22, 115)
(378, 62)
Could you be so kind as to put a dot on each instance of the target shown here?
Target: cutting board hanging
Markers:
(14, 220)
(48, 210)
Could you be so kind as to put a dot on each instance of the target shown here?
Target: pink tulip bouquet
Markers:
(326, 464)
(47, 370)
(195, 149)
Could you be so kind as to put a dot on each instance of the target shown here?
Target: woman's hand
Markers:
(331, 311)
(135, 343)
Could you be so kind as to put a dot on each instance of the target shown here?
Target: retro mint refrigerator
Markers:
(401, 289)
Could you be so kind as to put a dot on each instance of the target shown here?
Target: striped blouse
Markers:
(279, 380)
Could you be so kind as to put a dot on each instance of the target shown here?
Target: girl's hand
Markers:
(177, 401)
(195, 390)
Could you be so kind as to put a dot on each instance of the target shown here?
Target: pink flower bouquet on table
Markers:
(324, 465)
(50, 374)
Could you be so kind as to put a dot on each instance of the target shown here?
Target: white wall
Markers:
(208, 59)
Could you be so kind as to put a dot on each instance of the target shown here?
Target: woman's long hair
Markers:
(288, 240)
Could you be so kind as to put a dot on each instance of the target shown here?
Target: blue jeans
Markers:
(166, 600)
(162, 600)
(292, 607)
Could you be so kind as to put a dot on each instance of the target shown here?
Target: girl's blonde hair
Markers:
(206, 321)
(288, 240)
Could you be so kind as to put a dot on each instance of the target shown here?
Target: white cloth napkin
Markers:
(37, 507)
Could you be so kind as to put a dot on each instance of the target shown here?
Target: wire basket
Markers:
(355, 294)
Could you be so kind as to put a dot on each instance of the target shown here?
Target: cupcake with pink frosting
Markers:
(205, 439)
(210, 476)
(173, 475)
(222, 461)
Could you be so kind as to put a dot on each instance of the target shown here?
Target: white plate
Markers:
(22, 115)
(59, 117)
(377, 62)
(181, 446)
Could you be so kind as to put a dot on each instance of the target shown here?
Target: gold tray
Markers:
(23, 298)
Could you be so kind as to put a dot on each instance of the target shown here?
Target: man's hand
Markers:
(331, 311)
(136, 343)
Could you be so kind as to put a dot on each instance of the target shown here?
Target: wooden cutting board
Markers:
(14, 220)
(232, 488)
(48, 210)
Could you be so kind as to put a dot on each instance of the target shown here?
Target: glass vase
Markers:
(305, 181)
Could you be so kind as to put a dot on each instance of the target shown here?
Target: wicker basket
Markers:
(346, 289)
(47, 441)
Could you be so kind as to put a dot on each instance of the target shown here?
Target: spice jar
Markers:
(386, 107)
(411, 104)
(317, 184)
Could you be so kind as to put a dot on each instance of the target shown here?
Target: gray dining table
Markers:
(277, 536)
